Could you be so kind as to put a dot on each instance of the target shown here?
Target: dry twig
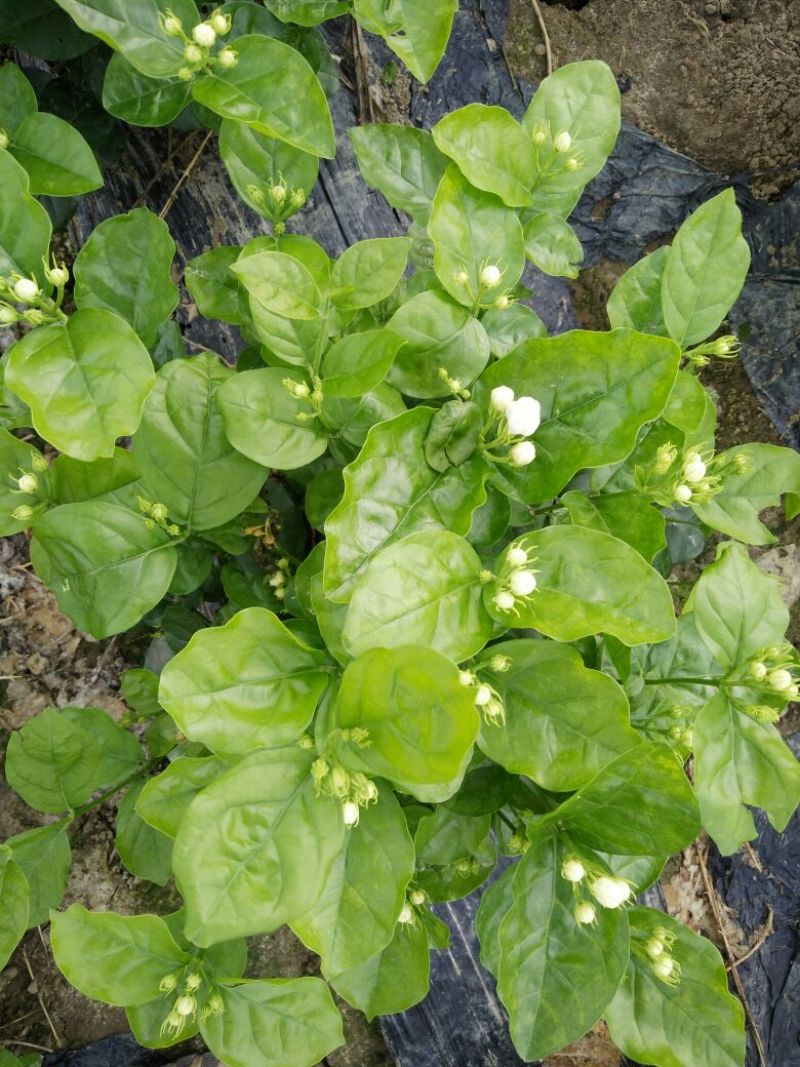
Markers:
(173, 196)
(545, 36)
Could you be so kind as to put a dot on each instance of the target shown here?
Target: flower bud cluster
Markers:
(30, 484)
(555, 152)
(22, 299)
(278, 200)
(727, 347)
(487, 700)
(775, 672)
(490, 277)
(518, 579)
(198, 44)
(193, 992)
(278, 579)
(588, 880)
(304, 392)
(352, 789)
(156, 514)
(658, 953)
(512, 420)
(693, 477)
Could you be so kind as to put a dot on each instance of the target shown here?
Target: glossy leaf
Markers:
(43, 854)
(105, 478)
(144, 851)
(248, 684)
(139, 100)
(627, 516)
(17, 98)
(508, 327)
(24, 224)
(401, 162)
(58, 160)
(635, 301)
(281, 284)
(257, 163)
(164, 800)
(368, 272)
(359, 362)
(391, 981)
(14, 904)
(306, 12)
(213, 286)
(553, 246)
(414, 30)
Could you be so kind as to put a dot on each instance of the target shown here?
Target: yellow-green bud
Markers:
(159, 512)
(297, 199)
(8, 316)
(780, 679)
(418, 897)
(227, 58)
(24, 513)
(340, 781)
(278, 192)
(221, 23)
(28, 483)
(562, 142)
(168, 983)
(39, 464)
(193, 982)
(503, 302)
(571, 164)
(193, 54)
(4, 141)
(172, 25)
(186, 1005)
(216, 1005)
(185, 74)
(539, 135)
(57, 276)
(758, 670)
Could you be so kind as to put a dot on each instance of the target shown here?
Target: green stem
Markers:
(683, 680)
(90, 805)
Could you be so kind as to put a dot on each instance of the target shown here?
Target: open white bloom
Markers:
(522, 583)
(204, 34)
(502, 397)
(610, 892)
(780, 679)
(694, 469)
(562, 142)
(585, 913)
(490, 276)
(683, 494)
(573, 870)
(26, 290)
(517, 556)
(504, 601)
(524, 416)
(522, 453)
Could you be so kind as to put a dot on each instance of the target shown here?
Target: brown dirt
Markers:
(715, 79)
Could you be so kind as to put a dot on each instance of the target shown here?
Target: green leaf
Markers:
(769, 472)
(248, 684)
(554, 975)
(696, 1021)
(144, 851)
(125, 267)
(16, 457)
(628, 516)
(85, 381)
(454, 435)
(306, 12)
(553, 246)
(135, 30)
(471, 229)
(688, 403)
(508, 327)
(255, 847)
(274, 1023)
(640, 804)
(587, 582)
(58, 160)
(106, 568)
(596, 391)
(635, 302)
(181, 450)
(14, 903)
(261, 422)
(581, 99)
(44, 31)
(74, 481)
(415, 31)
(120, 751)
(423, 590)
(213, 286)
(705, 270)
(368, 272)
(359, 362)
(491, 149)
(116, 959)
(257, 163)
(281, 284)
(365, 890)
(738, 609)
(439, 335)
(24, 224)
(17, 98)
(391, 981)
(741, 761)
(273, 89)
(390, 491)
(553, 730)
(44, 857)
(421, 721)
(139, 100)
(401, 162)
(164, 800)
(351, 418)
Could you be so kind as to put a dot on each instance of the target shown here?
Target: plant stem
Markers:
(90, 805)
(682, 680)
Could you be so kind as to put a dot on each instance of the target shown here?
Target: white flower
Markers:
(504, 601)
(350, 813)
(683, 494)
(562, 142)
(204, 34)
(780, 680)
(694, 469)
(522, 453)
(573, 870)
(193, 54)
(466, 677)
(516, 556)
(585, 913)
(483, 695)
(28, 483)
(524, 417)
(186, 1005)
(406, 915)
(502, 397)
(522, 583)
(490, 276)
(664, 967)
(654, 947)
(610, 892)
(26, 290)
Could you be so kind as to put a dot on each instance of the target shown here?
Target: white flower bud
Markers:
(221, 23)
(694, 469)
(501, 397)
(780, 680)
(516, 556)
(418, 897)
(758, 670)
(185, 1006)
(461, 277)
(490, 276)
(350, 813)
(172, 26)
(573, 870)
(522, 453)
(792, 692)
(26, 290)
(483, 695)
(204, 34)
(193, 54)
(664, 967)
(8, 315)
(466, 677)
(562, 142)
(654, 947)
(24, 513)
(610, 892)
(28, 483)
(522, 583)
(683, 494)
(502, 302)
(168, 983)
(406, 915)
(504, 601)
(57, 276)
(585, 913)
(193, 982)
(228, 58)
(539, 135)
(499, 663)
(524, 416)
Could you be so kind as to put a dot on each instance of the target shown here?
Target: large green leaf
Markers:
(554, 975)
(368, 272)
(415, 31)
(581, 99)
(274, 1023)
(164, 800)
(391, 491)
(144, 851)
(106, 568)
(256, 847)
(356, 915)
(423, 590)
(421, 721)
(596, 391)
(125, 267)
(696, 1021)
(705, 270)
(135, 30)
(358, 362)
(117, 959)
(85, 381)
(24, 224)
(587, 582)
(740, 761)
(392, 980)
(306, 12)
(401, 162)
(628, 516)
(635, 302)
(552, 245)
(14, 904)
(44, 856)
(141, 101)
(249, 684)
(273, 89)
(257, 163)
(280, 283)
(183, 455)
(58, 160)
(472, 229)
(563, 723)
(72, 480)
(17, 97)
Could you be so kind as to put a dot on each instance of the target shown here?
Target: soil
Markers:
(714, 79)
